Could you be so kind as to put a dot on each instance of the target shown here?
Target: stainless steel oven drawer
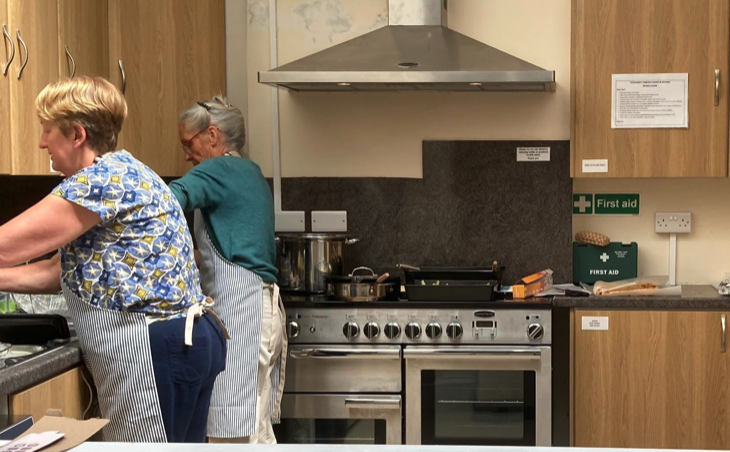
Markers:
(354, 419)
(343, 368)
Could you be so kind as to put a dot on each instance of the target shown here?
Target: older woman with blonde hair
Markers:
(126, 267)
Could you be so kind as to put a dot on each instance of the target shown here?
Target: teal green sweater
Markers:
(238, 209)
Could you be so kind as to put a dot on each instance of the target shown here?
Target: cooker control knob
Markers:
(351, 330)
(413, 330)
(292, 330)
(392, 330)
(371, 330)
(454, 331)
(433, 330)
(535, 331)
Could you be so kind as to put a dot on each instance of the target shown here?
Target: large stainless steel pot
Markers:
(306, 260)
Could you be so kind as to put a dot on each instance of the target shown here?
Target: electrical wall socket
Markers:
(329, 221)
(289, 221)
(673, 222)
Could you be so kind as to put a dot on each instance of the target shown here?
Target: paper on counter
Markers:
(559, 290)
(32, 442)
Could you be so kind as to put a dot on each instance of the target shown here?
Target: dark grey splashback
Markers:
(475, 204)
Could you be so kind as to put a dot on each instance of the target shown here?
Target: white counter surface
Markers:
(119, 447)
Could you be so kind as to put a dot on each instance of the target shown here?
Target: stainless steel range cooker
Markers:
(418, 373)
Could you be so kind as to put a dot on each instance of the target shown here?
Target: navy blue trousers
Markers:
(185, 375)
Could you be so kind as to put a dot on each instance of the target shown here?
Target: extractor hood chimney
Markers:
(415, 51)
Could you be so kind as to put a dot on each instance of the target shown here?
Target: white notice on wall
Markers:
(595, 323)
(645, 101)
(595, 165)
(533, 154)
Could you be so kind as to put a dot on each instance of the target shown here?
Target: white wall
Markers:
(380, 134)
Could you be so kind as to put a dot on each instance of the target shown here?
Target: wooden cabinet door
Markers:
(36, 20)
(83, 37)
(67, 392)
(173, 52)
(650, 36)
(5, 54)
(652, 380)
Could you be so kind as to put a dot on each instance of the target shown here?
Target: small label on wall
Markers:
(533, 154)
(595, 323)
(595, 166)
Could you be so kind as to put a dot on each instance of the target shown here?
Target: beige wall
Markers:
(371, 135)
(352, 134)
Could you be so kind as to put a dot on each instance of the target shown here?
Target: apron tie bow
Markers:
(198, 310)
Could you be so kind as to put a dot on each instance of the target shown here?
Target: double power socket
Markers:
(673, 222)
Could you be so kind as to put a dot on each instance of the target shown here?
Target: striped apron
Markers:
(238, 294)
(116, 348)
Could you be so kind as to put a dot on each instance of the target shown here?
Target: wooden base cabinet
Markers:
(654, 379)
(67, 392)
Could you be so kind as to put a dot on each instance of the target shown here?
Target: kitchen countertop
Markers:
(39, 368)
(694, 297)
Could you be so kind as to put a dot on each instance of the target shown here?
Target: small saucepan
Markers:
(363, 285)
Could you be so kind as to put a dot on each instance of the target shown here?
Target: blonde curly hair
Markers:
(90, 102)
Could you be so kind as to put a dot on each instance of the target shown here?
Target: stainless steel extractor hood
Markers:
(414, 52)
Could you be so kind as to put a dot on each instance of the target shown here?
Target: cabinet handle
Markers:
(12, 49)
(717, 87)
(73, 63)
(124, 76)
(25, 62)
(722, 341)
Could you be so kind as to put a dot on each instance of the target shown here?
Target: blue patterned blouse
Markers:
(140, 257)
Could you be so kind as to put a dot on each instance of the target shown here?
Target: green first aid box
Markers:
(604, 263)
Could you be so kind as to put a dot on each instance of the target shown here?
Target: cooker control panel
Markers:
(337, 325)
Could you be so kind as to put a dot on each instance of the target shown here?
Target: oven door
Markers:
(478, 395)
(340, 419)
(343, 368)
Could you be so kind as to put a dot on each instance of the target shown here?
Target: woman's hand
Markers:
(50, 224)
(40, 277)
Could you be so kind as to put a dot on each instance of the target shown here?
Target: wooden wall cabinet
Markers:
(654, 379)
(6, 51)
(173, 54)
(67, 392)
(172, 51)
(650, 36)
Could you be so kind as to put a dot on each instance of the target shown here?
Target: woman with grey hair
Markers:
(234, 228)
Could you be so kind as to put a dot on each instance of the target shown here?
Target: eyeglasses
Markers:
(189, 142)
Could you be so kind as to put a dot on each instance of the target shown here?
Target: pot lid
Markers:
(362, 274)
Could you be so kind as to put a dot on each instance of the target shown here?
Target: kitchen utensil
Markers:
(363, 287)
(306, 260)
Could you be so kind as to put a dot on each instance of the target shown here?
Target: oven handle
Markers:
(344, 353)
(387, 403)
(466, 352)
